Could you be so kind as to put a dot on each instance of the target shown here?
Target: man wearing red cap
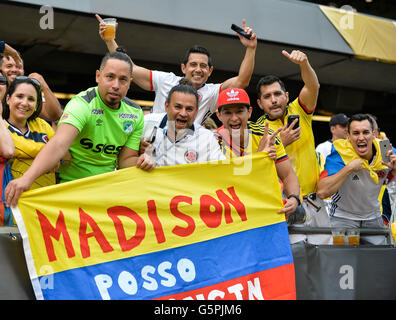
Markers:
(238, 137)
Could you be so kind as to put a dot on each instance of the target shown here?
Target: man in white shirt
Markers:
(353, 176)
(174, 136)
(338, 128)
(197, 68)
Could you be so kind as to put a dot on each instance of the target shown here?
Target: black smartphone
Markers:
(240, 31)
(385, 147)
(291, 118)
(151, 139)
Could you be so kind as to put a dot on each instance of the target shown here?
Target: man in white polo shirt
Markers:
(175, 138)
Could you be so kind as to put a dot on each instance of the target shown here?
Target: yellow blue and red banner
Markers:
(196, 231)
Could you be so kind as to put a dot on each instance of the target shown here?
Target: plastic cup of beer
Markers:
(353, 237)
(338, 236)
(110, 31)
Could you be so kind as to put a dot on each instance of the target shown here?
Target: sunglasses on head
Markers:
(31, 80)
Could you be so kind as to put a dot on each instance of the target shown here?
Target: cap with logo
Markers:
(233, 96)
(340, 119)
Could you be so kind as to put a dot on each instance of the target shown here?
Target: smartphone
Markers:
(291, 118)
(151, 139)
(385, 147)
(240, 31)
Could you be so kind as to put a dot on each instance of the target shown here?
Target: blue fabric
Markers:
(7, 177)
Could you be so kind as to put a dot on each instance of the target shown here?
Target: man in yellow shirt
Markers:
(239, 137)
(299, 142)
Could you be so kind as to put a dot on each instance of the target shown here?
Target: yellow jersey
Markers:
(301, 152)
(255, 134)
(27, 146)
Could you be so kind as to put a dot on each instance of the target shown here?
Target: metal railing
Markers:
(363, 231)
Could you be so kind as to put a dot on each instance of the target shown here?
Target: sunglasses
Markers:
(3, 81)
(31, 80)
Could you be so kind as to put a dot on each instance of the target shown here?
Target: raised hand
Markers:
(252, 42)
(296, 56)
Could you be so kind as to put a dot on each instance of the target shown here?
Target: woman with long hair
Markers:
(22, 104)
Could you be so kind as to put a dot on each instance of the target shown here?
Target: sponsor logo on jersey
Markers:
(128, 126)
(355, 178)
(88, 144)
(128, 116)
(64, 116)
(45, 138)
(98, 111)
(191, 156)
(99, 122)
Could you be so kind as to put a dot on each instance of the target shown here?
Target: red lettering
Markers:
(236, 203)
(211, 218)
(180, 231)
(152, 213)
(127, 244)
(49, 231)
(85, 219)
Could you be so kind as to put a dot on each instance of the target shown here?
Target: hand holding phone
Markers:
(240, 31)
(291, 118)
(385, 147)
(153, 134)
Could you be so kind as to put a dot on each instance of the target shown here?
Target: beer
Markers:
(339, 240)
(353, 236)
(354, 240)
(110, 32)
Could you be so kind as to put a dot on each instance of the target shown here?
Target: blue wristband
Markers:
(2, 47)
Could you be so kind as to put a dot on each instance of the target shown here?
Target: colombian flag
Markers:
(196, 231)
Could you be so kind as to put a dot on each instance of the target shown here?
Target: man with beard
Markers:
(100, 127)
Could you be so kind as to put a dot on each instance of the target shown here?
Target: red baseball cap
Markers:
(233, 96)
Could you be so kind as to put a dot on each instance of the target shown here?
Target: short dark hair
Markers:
(197, 49)
(11, 89)
(267, 80)
(361, 117)
(185, 87)
(120, 54)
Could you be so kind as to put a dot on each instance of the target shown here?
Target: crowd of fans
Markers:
(340, 184)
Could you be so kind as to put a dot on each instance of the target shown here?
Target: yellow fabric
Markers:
(381, 195)
(348, 153)
(369, 37)
(165, 200)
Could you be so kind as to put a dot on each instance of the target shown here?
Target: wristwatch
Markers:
(296, 197)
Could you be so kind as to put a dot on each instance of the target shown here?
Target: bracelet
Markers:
(2, 46)
(295, 197)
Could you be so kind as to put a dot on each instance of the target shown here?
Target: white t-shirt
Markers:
(324, 148)
(162, 82)
(197, 145)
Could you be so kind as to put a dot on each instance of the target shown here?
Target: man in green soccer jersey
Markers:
(100, 127)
